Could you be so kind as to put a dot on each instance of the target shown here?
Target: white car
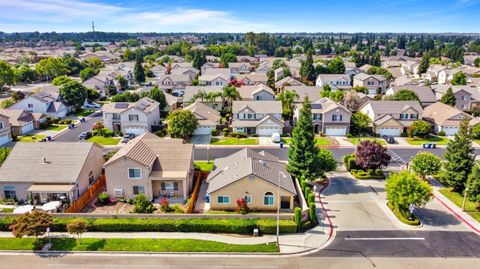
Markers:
(93, 105)
(276, 138)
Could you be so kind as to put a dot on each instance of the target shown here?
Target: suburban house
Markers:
(208, 118)
(262, 118)
(174, 84)
(335, 81)
(190, 71)
(446, 75)
(313, 92)
(374, 83)
(328, 117)
(239, 68)
(446, 118)
(50, 171)
(101, 84)
(43, 102)
(433, 72)
(410, 68)
(192, 91)
(209, 65)
(176, 65)
(287, 81)
(158, 168)
(466, 97)
(5, 130)
(252, 79)
(215, 77)
(424, 93)
(258, 92)
(392, 117)
(131, 118)
(254, 176)
(22, 122)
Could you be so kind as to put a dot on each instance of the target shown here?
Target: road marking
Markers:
(382, 238)
(160, 266)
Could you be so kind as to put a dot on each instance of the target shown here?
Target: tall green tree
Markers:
(404, 189)
(424, 63)
(449, 98)
(426, 164)
(473, 184)
(307, 70)
(87, 73)
(25, 74)
(7, 76)
(336, 66)
(459, 79)
(403, 95)
(287, 98)
(51, 68)
(159, 96)
(73, 94)
(138, 71)
(230, 93)
(182, 124)
(459, 158)
(199, 59)
(359, 123)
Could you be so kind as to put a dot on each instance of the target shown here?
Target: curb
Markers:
(457, 215)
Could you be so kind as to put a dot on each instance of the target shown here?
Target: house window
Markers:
(268, 199)
(169, 186)
(317, 116)
(403, 116)
(248, 199)
(91, 179)
(1, 124)
(10, 192)
(132, 117)
(134, 173)
(250, 116)
(464, 98)
(223, 199)
(258, 97)
(370, 83)
(336, 117)
(30, 105)
(115, 116)
(414, 116)
(138, 190)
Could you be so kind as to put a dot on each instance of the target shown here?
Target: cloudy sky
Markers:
(241, 16)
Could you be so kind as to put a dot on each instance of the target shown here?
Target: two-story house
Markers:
(208, 118)
(131, 118)
(446, 118)
(252, 79)
(312, 92)
(328, 117)
(190, 71)
(257, 117)
(258, 92)
(215, 77)
(5, 131)
(239, 68)
(374, 83)
(410, 68)
(174, 84)
(446, 75)
(43, 102)
(466, 97)
(425, 94)
(335, 81)
(392, 117)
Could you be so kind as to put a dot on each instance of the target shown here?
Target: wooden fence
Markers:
(87, 196)
(196, 189)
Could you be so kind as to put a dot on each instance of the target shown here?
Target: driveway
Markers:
(201, 139)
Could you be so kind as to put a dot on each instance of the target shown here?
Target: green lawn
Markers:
(354, 140)
(234, 141)
(6, 210)
(431, 139)
(119, 244)
(84, 113)
(470, 207)
(56, 127)
(30, 138)
(319, 141)
(104, 140)
(204, 166)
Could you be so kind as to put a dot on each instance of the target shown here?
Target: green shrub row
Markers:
(371, 174)
(350, 163)
(240, 226)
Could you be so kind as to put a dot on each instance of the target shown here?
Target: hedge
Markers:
(364, 175)
(404, 219)
(239, 226)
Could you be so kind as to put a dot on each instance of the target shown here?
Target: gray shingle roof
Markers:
(424, 93)
(264, 107)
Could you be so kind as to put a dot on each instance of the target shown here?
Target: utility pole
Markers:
(93, 30)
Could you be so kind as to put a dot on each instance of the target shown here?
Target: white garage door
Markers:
(27, 128)
(4, 139)
(134, 130)
(450, 131)
(389, 131)
(203, 130)
(340, 131)
(268, 131)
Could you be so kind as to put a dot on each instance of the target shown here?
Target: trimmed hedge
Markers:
(415, 222)
(239, 226)
(378, 174)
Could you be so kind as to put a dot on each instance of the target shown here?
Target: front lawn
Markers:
(106, 141)
(120, 244)
(84, 113)
(56, 127)
(431, 139)
(6, 210)
(234, 141)
(319, 141)
(356, 139)
(470, 207)
(204, 166)
(30, 138)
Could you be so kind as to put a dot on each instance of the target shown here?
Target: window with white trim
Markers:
(132, 117)
(268, 199)
(223, 199)
(134, 173)
(138, 190)
(248, 199)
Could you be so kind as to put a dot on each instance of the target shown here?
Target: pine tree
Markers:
(302, 153)
(199, 59)
(138, 71)
(449, 98)
(307, 70)
(460, 158)
(424, 63)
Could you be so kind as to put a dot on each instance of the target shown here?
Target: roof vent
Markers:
(44, 160)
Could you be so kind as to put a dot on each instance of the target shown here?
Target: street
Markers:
(71, 135)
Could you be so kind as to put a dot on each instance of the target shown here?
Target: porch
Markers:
(170, 186)
(42, 194)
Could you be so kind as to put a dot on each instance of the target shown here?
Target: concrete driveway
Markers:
(201, 139)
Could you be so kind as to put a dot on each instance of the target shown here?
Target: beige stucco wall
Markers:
(20, 189)
(94, 163)
(254, 187)
(116, 175)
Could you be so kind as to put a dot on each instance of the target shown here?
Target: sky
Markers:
(407, 16)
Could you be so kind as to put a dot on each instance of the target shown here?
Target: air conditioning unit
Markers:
(118, 192)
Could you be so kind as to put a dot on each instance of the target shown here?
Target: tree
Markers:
(25, 74)
(359, 123)
(34, 223)
(375, 70)
(142, 205)
(182, 124)
(473, 184)
(287, 98)
(449, 98)
(459, 79)
(403, 95)
(128, 55)
(77, 227)
(17, 96)
(337, 96)
(424, 64)
(158, 95)
(419, 128)
(94, 63)
(7, 76)
(271, 78)
(307, 70)
(326, 162)
(351, 100)
(87, 73)
(302, 152)
(123, 83)
(404, 189)
(360, 89)
(336, 66)
(199, 59)
(426, 164)
(231, 94)
(60, 80)
(73, 94)
(326, 91)
(227, 58)
(51, 68)
(371, 155)
(4, 152)
(138, 71)
(459, 158)
(477, 62)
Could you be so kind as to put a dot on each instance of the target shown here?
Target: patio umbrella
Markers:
(53, 205)
(23, 209)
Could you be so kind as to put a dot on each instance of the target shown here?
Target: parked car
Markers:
(389, 139)
(276, 138)
(92, 105)
(84, 135)
(127, 137)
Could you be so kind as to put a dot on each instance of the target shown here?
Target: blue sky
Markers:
(241, 16)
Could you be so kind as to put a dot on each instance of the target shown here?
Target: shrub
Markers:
(307, 191)
(161, 133)
(311, 198)
(178, 209)
(56, 120)
(214, 132)
(142, 205)
(441, 133)
(297, 217)
(237, 135)
(254, 135)
(242, 206)
(349, 135)
(312, 213)
(103, 199)
(165, 205)
(65, 121)
(371, 172)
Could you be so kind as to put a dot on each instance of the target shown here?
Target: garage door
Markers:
(268, 131)
(4, 139)
(450, 131)
(389, 131)
(340, 131)
(203, 130)
(27, 128)
(135, 131)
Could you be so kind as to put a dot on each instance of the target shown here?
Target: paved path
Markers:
(201, 205)
(71, 135)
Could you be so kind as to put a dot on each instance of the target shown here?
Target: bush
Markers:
(237, 135)
(297, 217)
(404, 134)
(349, 135)
(161, 133)
(307, 191)
(143, 205)
(56, 120)
(178, 209)
(311, 198)
(441, 133)
(403, 217)
(312, 213)
(65, 121)
(214, 132)
(371, 174)
(255, 135)
(165, 205)
(103, 199)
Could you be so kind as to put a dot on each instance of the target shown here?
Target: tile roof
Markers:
(205, 114)
(424, 93)
(442, 114)
(263, 107)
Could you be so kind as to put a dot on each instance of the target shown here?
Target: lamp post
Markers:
(280, 174)
(464, 199)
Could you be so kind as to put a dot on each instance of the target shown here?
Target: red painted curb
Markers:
(323, 207)
(457, 215)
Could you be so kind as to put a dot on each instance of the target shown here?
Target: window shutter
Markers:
(175, 186)
(341, 117)
(162, 186)
(333, 117)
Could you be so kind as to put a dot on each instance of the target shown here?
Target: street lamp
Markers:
(280, 174)
(464, 199)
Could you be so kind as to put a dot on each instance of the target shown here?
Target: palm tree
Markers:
(231, 94)
(287, 98)
(212, 96)
(202, 95)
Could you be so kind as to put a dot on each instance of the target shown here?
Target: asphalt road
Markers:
(71, 135)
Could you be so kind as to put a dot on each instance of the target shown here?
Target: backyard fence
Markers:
(91, 192)
(193, 199)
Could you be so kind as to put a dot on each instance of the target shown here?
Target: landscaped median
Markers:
(471, 208)
(120, 244)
